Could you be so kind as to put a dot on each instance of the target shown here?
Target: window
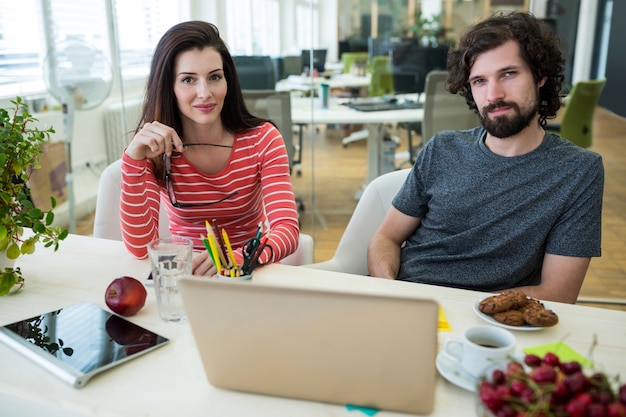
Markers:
(140, 24)
(252, 27)
(23, 40)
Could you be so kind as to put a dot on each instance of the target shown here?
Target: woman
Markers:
(202, 154)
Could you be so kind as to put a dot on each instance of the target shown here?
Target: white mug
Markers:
(481, 347)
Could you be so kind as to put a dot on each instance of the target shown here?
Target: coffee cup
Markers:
(481, 347)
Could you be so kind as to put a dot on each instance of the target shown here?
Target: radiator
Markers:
(120, 121)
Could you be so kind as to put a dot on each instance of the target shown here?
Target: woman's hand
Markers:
(202, 264)
(152, 140)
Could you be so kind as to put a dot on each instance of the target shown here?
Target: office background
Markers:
(126, 32)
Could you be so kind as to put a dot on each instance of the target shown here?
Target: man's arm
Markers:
(383, 251)
(561, 279)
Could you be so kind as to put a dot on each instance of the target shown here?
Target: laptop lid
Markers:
(366, 350)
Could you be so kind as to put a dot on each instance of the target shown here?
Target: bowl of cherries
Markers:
(547, 387)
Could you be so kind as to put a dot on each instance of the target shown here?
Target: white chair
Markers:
(107, 216)
(351, 253)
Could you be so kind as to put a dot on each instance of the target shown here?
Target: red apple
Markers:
(125, 295)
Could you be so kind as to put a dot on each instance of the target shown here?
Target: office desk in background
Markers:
(170, 381)
(304, 83)
(309, 111)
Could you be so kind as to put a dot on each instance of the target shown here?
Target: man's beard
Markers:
(504, 126)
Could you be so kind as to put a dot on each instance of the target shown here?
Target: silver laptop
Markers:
(352, 349)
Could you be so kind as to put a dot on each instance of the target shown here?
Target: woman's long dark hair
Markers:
(539, 47)
(159, 102)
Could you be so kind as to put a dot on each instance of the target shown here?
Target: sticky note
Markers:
(443, 325)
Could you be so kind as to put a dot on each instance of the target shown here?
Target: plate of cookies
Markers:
(514, 310)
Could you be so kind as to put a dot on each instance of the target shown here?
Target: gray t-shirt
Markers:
(487, 220)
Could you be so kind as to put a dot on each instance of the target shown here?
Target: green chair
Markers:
(382, 77)
(350, 58)
(577, 121)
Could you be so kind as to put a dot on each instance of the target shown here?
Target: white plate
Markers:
(489, 318)
(450, 368)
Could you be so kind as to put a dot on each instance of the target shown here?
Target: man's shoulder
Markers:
(567, 148)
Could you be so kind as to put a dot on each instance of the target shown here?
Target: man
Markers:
(505, 205)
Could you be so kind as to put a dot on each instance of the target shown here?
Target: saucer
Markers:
(450, 368)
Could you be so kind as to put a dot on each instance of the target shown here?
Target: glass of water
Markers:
(170, 260)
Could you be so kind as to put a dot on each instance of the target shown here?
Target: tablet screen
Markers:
(83, 337)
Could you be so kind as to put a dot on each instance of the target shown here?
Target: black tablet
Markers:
(79, 341)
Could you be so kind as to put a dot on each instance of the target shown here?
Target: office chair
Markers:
(442, 110)
(348, 59)
(577, 121)
(351, 253)
(107, 216)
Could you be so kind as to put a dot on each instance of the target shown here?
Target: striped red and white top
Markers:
(258, 170)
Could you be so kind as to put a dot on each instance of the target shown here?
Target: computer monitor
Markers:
(256, 72)
(411, 63)
(319, 59)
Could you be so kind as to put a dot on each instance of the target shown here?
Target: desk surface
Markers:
(307, 111)
(170, 380)
(304, 83)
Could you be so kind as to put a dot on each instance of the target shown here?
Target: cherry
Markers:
(576, 408)
(596, 410)
(605, 397)
(616, 410)
(551, 359)
(576, 382)
(498, 377)
(489, 397)
(514, 369)
(518, 387)
(622, 394)
(560, 393)
(543, 373)
(532, 360)
(569, 368)
(506, 411)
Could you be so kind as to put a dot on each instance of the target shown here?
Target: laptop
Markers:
(362, 350)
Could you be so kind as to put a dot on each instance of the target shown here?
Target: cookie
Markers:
(495, 304)
(540, 317)
(532, 304)
(506, 300)
(510, 318)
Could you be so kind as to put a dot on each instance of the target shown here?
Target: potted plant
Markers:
(19, 155)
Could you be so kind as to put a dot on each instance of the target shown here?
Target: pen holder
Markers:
(239, 278)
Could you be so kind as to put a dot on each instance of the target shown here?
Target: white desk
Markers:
(304, 83)
(170, 381)
(305, 110)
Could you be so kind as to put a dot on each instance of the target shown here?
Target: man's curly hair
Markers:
(539, 47)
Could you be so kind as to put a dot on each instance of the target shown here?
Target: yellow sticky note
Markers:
(443, 325)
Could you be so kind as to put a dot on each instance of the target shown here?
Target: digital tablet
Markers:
(79, 341)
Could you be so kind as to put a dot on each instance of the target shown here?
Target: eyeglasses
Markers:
(169, 186)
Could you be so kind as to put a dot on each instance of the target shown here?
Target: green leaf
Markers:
(7, 281)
